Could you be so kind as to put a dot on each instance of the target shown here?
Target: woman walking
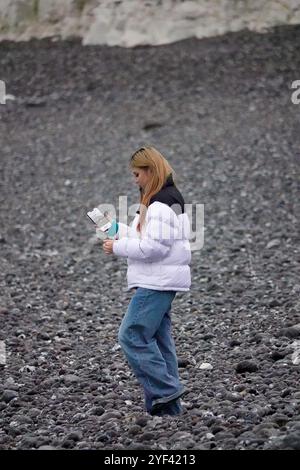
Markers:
(158, 254)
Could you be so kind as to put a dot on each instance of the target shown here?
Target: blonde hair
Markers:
(152, 159)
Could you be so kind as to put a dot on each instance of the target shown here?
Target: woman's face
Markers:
(141, 176)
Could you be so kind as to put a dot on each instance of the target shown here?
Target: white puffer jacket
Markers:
(159, 257)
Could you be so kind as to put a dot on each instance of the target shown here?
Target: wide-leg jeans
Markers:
(146, 339)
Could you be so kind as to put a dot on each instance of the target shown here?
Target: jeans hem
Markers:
(164, 400)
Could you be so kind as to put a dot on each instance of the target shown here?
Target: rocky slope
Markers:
(220, 110)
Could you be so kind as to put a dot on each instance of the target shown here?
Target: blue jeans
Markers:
(146, 339)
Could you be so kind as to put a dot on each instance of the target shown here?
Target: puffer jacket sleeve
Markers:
(161, 230)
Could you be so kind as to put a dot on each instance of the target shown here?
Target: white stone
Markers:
(272, 243)
(206, 366)
(296, 353)
(296, 357)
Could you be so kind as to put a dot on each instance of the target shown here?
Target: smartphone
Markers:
(91, 219)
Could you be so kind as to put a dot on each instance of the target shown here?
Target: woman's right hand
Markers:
(108, 246)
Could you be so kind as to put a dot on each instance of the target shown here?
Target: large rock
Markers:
(131, 23)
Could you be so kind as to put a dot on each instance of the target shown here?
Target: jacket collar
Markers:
(169, 181)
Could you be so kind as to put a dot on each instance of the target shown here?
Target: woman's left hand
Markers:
(108, 246)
